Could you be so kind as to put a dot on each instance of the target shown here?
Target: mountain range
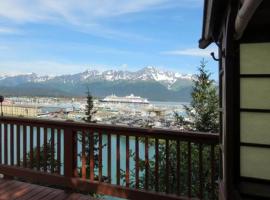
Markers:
(149, 82)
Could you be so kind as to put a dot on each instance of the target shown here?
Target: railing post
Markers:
(69, 153)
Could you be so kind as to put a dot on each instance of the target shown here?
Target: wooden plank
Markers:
(42, 194)
(87, 186)
(68, 153)
(156, 165)
(167, 172)
(24, 193)
(100, 156)
(5, 184)
(75, 153)
(45, 149)
(52, 149)
(38, 148)
(5, 144)
(9, 186)
(206, 138)
(109, 158)
(25, 146)
(31, 147)
(201, 178)
(12, 144)
(146, 184)
(7, 191)
(2, 181)
(62, 196)
(16, 190)
(51, 194)
(118, 159)
(18, 145)
(83, 156)
(178, 178)
(76, 196)
(189, 170)
(1, 142)
(91, 156)
(127, 161)
(136, 162)
(213, 172)
(59, 151)
(28, 193)
(19, 191)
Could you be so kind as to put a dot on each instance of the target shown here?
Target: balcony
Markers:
(131, 163)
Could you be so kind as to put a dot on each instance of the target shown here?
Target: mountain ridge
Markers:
(144, 74)
(148, 82)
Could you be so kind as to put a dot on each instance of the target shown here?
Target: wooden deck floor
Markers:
(11, 190)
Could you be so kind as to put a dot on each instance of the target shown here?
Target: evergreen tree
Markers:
(179, 119)
(203, 109)
(89, 111)
(42, 162)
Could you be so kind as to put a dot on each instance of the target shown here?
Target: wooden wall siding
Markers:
(255, 110)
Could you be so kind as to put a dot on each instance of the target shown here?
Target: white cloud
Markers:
(43, 67)
(74, 11)
(23, 10)
(191, 52)
(83, 15)
(96, 8)
(7, 30)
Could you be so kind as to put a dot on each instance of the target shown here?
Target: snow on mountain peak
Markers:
(169, 77)
(148, 73)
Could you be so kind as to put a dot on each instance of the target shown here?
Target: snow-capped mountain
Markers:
(23, 78)
(146, 74)
(149, 82)
(168, 77)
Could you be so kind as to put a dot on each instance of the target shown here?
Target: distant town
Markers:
(131, 110)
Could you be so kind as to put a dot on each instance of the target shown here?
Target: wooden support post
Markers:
(69, 150)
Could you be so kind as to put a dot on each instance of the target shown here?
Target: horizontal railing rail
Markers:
(111, 160)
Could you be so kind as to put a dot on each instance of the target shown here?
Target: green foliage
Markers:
(203, 109)
(89, 113)
(42, 162)
(172, 166)
(179, 119)
(89, 110)
(87, 153)
(203, 112)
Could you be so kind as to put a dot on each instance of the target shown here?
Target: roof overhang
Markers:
(206, 35)
(244, 15)
(213, 17)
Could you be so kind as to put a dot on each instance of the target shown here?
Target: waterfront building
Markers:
(21, 110)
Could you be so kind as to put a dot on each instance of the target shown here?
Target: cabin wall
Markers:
(245, 110)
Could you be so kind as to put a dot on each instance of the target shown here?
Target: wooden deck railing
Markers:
(125, 162)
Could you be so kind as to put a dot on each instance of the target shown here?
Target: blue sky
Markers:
(70, 36)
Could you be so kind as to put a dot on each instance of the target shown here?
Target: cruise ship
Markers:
(127, 99)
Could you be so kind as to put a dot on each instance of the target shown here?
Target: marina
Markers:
(132, 111)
